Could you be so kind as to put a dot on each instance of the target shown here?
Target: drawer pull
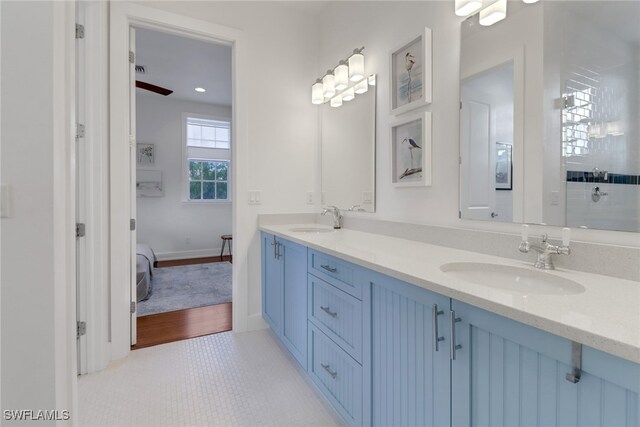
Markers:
(327, 368)
(329, 269)
(329, 312)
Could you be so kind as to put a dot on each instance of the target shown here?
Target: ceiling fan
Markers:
(141, 69)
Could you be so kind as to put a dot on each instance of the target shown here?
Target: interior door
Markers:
(132, 180)
(477, 189)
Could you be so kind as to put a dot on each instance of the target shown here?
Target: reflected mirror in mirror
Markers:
(348, 153)
(574, 137)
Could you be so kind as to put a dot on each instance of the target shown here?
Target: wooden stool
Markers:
(226, 238)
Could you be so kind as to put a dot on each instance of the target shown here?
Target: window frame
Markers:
(186, 194)
(202, 180)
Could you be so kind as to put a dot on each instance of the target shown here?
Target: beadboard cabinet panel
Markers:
(410, 379)
(294, 288)
(507, 374)
(271, 284)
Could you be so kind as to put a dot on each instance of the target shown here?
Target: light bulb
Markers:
(493, 13)
(356, 66)
(336, 101)
(317, 94)
(329, 85)
(361, 87)
(341, 73)
(467, 7)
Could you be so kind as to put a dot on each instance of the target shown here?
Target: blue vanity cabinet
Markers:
(284, 293)
(506, 373)
(410, 371)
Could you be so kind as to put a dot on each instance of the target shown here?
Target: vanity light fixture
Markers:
(329, 84)
(356, 65)
(200, 89)
(493, 13)
(317, 94)
(361, 87)
(341, 73)
(467, 7)
(348, 94)
(343, 82)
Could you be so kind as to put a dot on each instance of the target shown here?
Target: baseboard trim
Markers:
(256, 323)
(200, 253)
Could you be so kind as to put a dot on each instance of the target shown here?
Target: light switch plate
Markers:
(254, 197)
(4, 200)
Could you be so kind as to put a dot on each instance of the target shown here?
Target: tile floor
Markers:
(224, 379)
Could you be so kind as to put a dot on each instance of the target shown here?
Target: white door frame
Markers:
(123, 15)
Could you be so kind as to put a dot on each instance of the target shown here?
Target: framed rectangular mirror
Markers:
(550, 116)
(349, 153)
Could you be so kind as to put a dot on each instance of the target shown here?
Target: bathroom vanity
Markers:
(392, 334)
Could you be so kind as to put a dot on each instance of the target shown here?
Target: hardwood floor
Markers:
(178, 325)
(190, 261)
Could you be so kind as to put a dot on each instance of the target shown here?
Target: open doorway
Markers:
(182, 173)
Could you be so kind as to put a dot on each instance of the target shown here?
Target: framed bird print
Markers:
(411, 151)
(411, 69)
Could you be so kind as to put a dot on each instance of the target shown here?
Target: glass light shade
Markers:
(336, 101)
(467, 7)
(341, 76)
(361, 87)
(348, 95)
(530, 1)
(317, 94)
(372, 80)
(329, 85)
(493, 13)
(356, 67)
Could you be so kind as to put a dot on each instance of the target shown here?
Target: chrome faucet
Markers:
(545, 249)
(337, 216)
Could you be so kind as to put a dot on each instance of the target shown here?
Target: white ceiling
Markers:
(182, 64)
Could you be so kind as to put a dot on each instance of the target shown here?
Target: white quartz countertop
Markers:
(606, 316)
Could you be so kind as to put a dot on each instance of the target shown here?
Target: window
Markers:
(207, 159)
(208, 133)
(208, 180)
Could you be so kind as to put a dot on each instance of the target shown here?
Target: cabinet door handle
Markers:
(453, 345)
(329, 312)
(275, 247)
(436, 335)
(329, 269)
(278, 253)
(329, 371)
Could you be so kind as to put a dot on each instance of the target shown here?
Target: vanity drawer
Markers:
(344, 275)
(337, 314)
(337, 374)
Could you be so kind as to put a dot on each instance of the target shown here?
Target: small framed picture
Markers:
(145, 154)
(411, 70)
(411, 151)
(504, 166)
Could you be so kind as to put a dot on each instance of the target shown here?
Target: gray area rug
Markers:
(188, 286)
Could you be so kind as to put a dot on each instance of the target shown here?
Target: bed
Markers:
(145, 260)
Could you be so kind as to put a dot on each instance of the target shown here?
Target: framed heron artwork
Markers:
(411, 74)
(411, 150)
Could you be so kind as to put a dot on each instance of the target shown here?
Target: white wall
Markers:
(282, 123)
(36, 296)
(172, 227)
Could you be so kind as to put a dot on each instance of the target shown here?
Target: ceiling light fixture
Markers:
(200, 89)
(530, 1)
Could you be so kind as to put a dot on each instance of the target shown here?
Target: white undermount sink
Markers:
(515, 279)
(311, 230)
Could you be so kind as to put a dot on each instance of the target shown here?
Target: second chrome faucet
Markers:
(337, 216)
